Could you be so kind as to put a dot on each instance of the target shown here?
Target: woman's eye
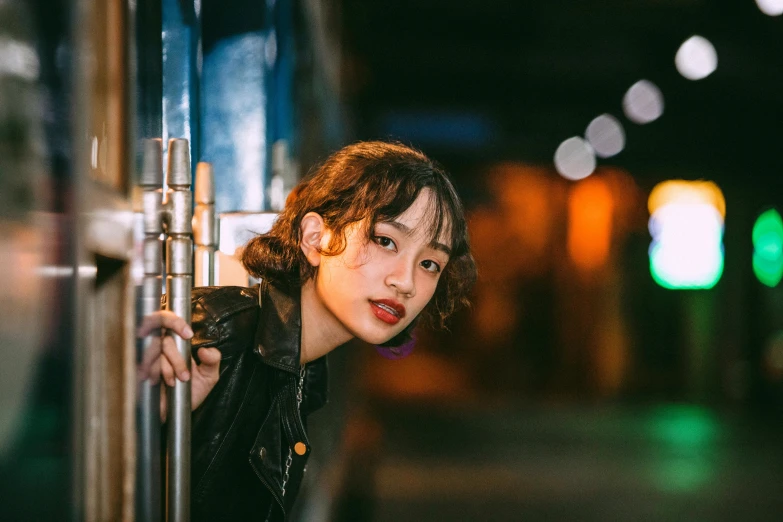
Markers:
(385, 242)
(431, 266)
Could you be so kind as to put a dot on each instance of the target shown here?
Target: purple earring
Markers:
(397, 352)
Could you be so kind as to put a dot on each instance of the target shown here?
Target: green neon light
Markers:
(768, 273)
(768, 248)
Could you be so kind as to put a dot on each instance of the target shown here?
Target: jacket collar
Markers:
(278, 342)
(279, 332)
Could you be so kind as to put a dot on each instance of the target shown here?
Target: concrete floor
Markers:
(508, 463)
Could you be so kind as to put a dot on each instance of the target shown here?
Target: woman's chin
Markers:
(375, 337)
(377, 334)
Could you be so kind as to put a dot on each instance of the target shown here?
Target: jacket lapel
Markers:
(278, 341)
(279, 329)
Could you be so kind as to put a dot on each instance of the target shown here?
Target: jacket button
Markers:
(300, 448)
(262, 453)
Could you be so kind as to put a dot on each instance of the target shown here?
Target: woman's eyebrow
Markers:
(405, 229)
(440, 246)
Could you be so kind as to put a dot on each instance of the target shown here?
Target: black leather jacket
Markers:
(243, 430)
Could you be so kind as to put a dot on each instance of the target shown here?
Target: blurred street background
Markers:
(597, 377)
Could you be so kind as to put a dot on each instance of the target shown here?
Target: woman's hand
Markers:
(161, 359)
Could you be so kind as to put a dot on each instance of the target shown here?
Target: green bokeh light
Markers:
(768, 248)
(706, 274)
(689, 443)
(684, 427)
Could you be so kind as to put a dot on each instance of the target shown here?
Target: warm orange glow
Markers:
(590, 209)
(524, 195)
(691, 192)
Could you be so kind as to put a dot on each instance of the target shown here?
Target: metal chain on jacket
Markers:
(289, 460)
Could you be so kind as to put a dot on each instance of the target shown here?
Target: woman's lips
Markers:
(388, 311)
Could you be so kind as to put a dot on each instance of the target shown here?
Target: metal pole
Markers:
(148, 502)
(205, 226)
(179, 280)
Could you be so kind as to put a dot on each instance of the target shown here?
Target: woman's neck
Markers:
(321, 331)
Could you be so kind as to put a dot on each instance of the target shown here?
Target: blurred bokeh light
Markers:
(590, 208)
(696, 58)
(690, 192)
(686, 224)
(768, 248)
(770, 7)
(18, 59)
(643, 103)
(605, 134)
(575, 159)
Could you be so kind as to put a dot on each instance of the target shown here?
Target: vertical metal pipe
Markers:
(179, 280)
(204, 226)
(148, 476)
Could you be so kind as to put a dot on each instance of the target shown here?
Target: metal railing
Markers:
(171, 215)
(204, 226)
(190, 255)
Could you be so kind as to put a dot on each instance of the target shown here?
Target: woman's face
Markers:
(377, 286)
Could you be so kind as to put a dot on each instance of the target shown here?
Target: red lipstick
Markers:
(388, 310)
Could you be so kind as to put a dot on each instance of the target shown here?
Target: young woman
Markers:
(371, 243)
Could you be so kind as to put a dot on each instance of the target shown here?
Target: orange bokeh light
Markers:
(590, 211)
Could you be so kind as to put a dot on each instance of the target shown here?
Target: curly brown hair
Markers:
(373, 181)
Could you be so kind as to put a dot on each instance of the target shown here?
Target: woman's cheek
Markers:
(429, 287)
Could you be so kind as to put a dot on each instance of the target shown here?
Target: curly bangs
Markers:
(376, 182)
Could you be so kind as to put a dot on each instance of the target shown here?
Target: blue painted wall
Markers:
(246, 97)
(180, 73)
(228, 86)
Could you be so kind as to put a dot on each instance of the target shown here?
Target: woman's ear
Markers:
(312, 228)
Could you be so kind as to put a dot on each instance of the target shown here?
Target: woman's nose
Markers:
(401, 279)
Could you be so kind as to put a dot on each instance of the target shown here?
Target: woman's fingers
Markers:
(175, 359)
(150, 356)
(164, 319)
(163, 348)
(209, 369)
(205, 375)
(209, 357)
(154, 372)
(167, 372)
